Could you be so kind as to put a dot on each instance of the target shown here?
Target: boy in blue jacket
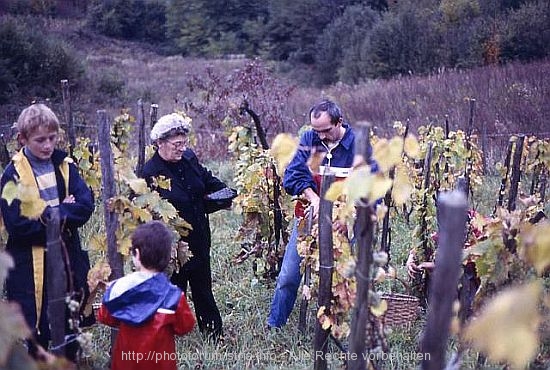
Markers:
(50, 172)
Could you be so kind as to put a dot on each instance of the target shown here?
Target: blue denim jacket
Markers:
(298, 176)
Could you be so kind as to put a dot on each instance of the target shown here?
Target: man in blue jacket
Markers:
(334, 138)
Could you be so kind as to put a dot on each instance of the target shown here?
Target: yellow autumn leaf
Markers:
(27, 193)
(396, 150)
(282, 149)
(506, 329)
(380, 309)
(141, 214)
(388, 153)
(139, 186)
(402, 187)
(163, 182)
(381, 154)
(98, 242)
(124, 246)
(411, 147)
(379, 187)
(358, 184)
(380, 275)
(33, 209)
(536, 245)
(381, 211)
(315, 159)
(335, 190)
(9, 192)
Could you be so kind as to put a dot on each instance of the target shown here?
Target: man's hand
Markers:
(69, 199)
(313, 199)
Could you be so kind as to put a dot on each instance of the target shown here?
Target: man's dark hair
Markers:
(154, 241)
(333, 110)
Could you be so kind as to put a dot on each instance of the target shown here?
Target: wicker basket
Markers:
(402, 309)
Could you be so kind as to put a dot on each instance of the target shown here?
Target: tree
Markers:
(404, 41)
(526, 35)
(33, 63)
(213, 27)
(292, 30)
(338, 47)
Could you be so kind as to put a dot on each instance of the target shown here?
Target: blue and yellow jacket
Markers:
(27, 237)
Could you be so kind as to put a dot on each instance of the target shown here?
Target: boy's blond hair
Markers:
(34, 116)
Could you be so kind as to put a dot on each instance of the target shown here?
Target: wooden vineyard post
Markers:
(516, 174)
(365, 236)
(56, 282)
(427, 251)
(302, 323)
(4, 152)
(504, 181)
(452, 213)
(109, 191)
(326, 262)
(153, 113)
(469, 143)
(141, 138)
(484, 148)
(68, 114)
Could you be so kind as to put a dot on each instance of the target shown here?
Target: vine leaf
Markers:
(536, 245)
(504, 329)
(165, 210)
(387, 153)
(334, 191)
(411, 147)
(282, 149)
(402, 188)
(139, 186)
(379, 309)
(32, 206)
(9, 193)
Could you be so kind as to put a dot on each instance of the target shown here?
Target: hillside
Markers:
(509, 99)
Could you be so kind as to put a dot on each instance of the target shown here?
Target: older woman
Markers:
(190, 183)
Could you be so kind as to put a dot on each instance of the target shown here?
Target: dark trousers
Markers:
(199, 277)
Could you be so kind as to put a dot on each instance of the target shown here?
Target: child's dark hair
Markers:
(154, 241)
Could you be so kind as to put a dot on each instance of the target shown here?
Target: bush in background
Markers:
(33, 63)
(129, 19)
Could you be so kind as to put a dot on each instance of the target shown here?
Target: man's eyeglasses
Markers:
(177, 144)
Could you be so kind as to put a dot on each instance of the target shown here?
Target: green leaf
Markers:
(9, 193)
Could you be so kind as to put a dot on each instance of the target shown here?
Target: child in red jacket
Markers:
(146, 308)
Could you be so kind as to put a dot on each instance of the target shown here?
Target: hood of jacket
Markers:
(140, 302)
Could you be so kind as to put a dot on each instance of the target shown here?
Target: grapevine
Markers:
(254, 179)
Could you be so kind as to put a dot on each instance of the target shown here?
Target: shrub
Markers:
(526, 33)
(129, 19)
(33, 63)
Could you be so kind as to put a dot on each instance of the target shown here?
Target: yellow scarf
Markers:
(26, 176)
